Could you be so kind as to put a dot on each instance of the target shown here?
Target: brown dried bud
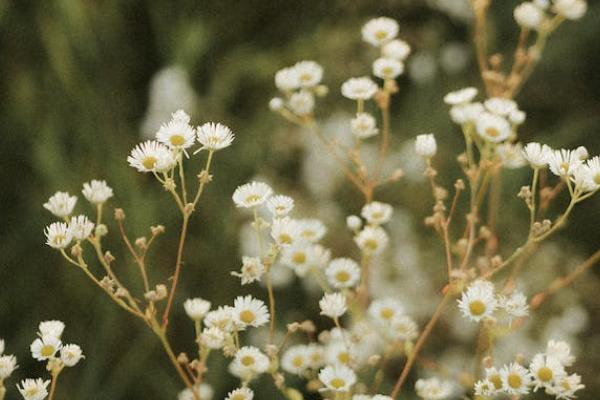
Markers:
(204, 177)
(157, 230)
(119, 214)
(293, 327)
(308, 326)
(169, 184)
(182, 358)
(141, 242)
(108, 257)
(459, 184)
(76, 250)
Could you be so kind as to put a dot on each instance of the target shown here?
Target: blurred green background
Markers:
(76, 94)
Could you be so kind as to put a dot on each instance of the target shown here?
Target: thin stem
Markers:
(182, 177)
(178, 263)
(53, 383)
(385, 138)
(203, 182)
(138, 259)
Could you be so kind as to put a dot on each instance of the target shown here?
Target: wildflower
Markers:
(385, 310)
(404, 327)
(214, 136)
(309, 73)
(34, 389)
(285, 231)
(545, 370)
(515, 306)
(97, 192)
(298, 258)
(222, 318)
(45, 347)
(295, 360)
(492, 375)
(337, 353)
(537, 154)
(565, 387)
(426, 146)
(379, 31)
(359, 88)
(528, 15)
(353, 222)
(248, 311)
(61, 204)
(240, 394)
(364, 126)
(570, 9)
(478, 301)
(204, 389)
(466, 113)
(276, 104)
(212, 337)
(7, 366)
(343, 273)
(500, 106)
(314, 352)
(582, 153)
(196, 308)
(280, 205)
(251, 194)
(377, 213)
(337, 378)
(396, 49)
(151, 156)
(515, 379)
(251, 360)
(71, 354)
(563, 162)
(511, 155)
(81, 227)
(462, 96)
(51, 328)
(302, 103)
(561, 351)
(287, 79)
(387, 68)
(517, 117)
(372, 240)
(177, 133)
(492, 127)
(312, 229)
(433, 389)
(58, 235)
(484, 387)
(333, 305)
(252, 270)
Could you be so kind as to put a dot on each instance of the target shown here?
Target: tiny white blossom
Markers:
(302, 103)
(252, 270)
(240, 394)
(248, 311)
(511, 155)
(517, 117)
(34, 389)
(97, 192)
(425, 145)
(309, 73)
(570, 9)
(212, 337)
(563, 162)
(61, 204)
(81, 227)
(337, 378)
(276, 104)
(204, 389)
(343, 273)
(387, 68)
(151, 156)
(353, 222)
(565, 387)
(251, 194)
(359, 88)
(385, 310)
(545, 371)
(8, 364)
(251, 361)
(379, 31)
(466, 113)
(222, 318)
(516, 379)
(396, 49)
(287, 79)
(461, 96)
(333, 305)
(484, 387)
(295, 360)
(45, 348)
(500, 106)
(58, 235)
(196, 308)
(478, 301)
(493, 128)
(311, 229)
(433, 389)
(515, 305)
(214, 136)
(561, 351)
(372, 240)
(70, 354)
(537, 154)
(377, 213)
(529, 15)
(280, 205)
(364, 126)
(177, 133)
(51, 328)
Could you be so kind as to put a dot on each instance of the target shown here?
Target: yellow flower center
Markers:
(285, 238)
(299, 258)
(149, 162)
(597, 179)
(380, 35)
(47, 350)
(238, 396)
(343, 357)
(386, 313)
(308, 233)
(247, 316)
(477, 307)
(305, 77)
(247, 361)
(342, 276)
(514, 381)
(371, 244)
(177, 140)
(492, 132)
(496, 380)
(253, 198)
(387, 71)
(564, 166)
(545, 374)
(298, 361)
(337, 383)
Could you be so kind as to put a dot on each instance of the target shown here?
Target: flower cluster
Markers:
(538, 15)
(299, 84)
(479, 302)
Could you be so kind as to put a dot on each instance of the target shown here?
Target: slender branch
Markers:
(178, 262)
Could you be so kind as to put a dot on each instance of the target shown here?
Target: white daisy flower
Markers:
(425, 145)
(71, 354)
(337, 353)
(214, 136)
(151, 156)
(528, 15)
(315, 354)
(583, 179)
(248, 311)
(45, 348)
(362, 88)
(343, 273)
(222, 318)
(379, 31)
(61, 204)
(563, 162)
(377, 213)
(515, 306)
(177, 133)
(565, 387)
(433, 389)
(295, 360)
(309, 73)
(592, 167)
(251, 360)
(511, 155)
(353, 222)
(372, 240)
(287, 79)
(561, 351)
(517, 117)
(212, 337)
(196, 308)
(537, 154)
(385, 310)
(404, 327)
(34, 389)
(81, 227)
(58, 235)
(251, 194)
(466, 113)
(396, 49)
(493, 375)
(570, 9)
(8, 364)
(364, 126)
(500, 106)
(298, 258)
(545, 371)
(240, 394)
(492, 127)
(280, 205)
(478, 301)
(387, 68)
(337, 378)
(484, 387)
(312, 229)
(582, 152)
(51, 328)
(333, 305)
(97, 192)
(515, 379)
(252, 270)
(204, 389)
(461, 96)
(286, 231)
(302, 103)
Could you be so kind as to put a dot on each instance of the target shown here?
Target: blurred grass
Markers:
(73, 91)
